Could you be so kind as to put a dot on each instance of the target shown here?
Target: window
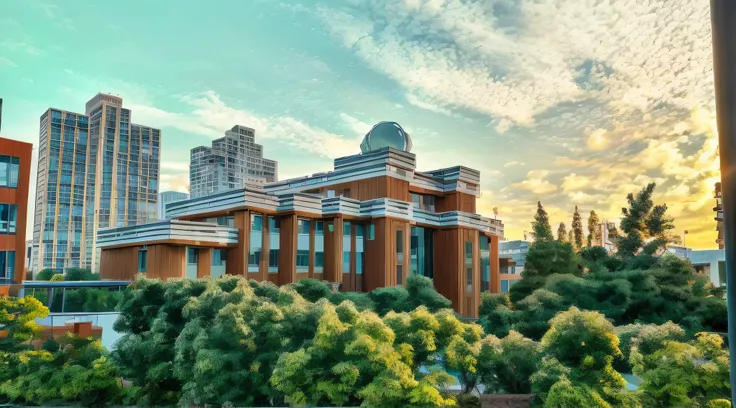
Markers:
(192, 256)
(14, 169)
(346, 246)
(371, 232)
(256, 241)
(416, 200)
(422, 201)
(274, 239)
(506, 285)
(302, 246)
(399, 257)
(319, 246)
(9, 169)
(4, 167)
(469, 265)
(142, 258)
(485, 263)
(4, 218)
(7, 266)
(359, 249)
(421, 251)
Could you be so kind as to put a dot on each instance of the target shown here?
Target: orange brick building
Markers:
(15, 173)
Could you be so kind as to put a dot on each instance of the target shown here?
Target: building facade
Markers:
(234, 161)
(513, 258)
(168, 197)
(15, 174)
(719, 214)
(369, 223)
(95, 170)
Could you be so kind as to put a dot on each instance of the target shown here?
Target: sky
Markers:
(567, 102)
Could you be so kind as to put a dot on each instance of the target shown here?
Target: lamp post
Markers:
(722, 17)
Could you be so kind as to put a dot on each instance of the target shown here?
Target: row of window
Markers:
(9, 170)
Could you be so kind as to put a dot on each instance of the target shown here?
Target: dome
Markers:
(386, 134)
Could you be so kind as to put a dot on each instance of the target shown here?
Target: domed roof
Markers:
(386, 134)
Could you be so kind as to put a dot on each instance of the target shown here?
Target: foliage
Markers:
(577, 228)
(541, 229)
(646, 337)
(45, 275)
(594, 230)
(508, 363)
(495, 314)
(463, 353)
(352, 360)
(562, 232)
(78, 371)
(57, 278)
(683, 374)
(18, 318)
(80, 274)
(564, 394)
(643, 221)
(544, 259)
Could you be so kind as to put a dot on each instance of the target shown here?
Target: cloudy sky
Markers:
(570, 102)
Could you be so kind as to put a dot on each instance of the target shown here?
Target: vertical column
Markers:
(312, 229)
(265, 248)
(333, 250)
(237, 258)
(495, 266)
(287, 250)
(204, 262)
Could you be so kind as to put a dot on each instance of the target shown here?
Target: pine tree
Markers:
(643, 220)
(562, 232)
(571, 237)
(577, 228)
(541, 230)
(594, 231)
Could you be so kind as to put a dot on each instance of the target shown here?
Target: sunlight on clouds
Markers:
(535, 182)
(597, 140)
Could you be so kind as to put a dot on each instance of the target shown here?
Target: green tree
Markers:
(507, 364)
(683, 374)
(57, 278)
(545, 258)
(577, 228)
(80, 274)
(594, 229)
(496, 314)
(462, 356)
(562, 232)
(642, 221)
(541, 229)
(45, 275)
(18, 318)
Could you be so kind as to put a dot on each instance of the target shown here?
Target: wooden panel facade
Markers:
(372, 188)
(18, 196)
(167, 261)
(119, 263)
(376, 256)
(287, 250)
(495, 266)
(204, 262)
(456, 201)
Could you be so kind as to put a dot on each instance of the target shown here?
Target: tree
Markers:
(577, 228)
(544, 259)
(541, 229)
(571, 237)
(643, 221)
(683, 374)
(80, 274)
(562, 232)
(45, 275)
(594, 229)
(507, 364)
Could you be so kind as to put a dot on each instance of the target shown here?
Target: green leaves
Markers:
(541, 229)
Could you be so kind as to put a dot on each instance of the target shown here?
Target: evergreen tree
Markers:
(643, 221)
(562, 232)
(541, 229)
(577, 228)
(571, 238)
(594, 231)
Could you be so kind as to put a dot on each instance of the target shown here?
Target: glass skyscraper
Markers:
(95, 171)
(233, 161)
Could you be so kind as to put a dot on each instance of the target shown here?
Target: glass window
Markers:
(14, 169)
(416, 200)
(504, 286)
(319, 246)
(346, 246)
(142, 257)
(192, 256)
(274, 240)
(399, 257)
(421, 251)
(469, 265)
(3, 267)
(485, 263)
(428, 203)
(359, 249)
(371, 232)
(4, 165)
(10, 265)
(256, 242)
(4, 218)
(302, 246)
(12, 223)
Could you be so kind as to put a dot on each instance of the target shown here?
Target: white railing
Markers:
(167, 230)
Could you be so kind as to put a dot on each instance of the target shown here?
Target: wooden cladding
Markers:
(167, 261)
(456, 202)
(453, 277)
(119, 263)
(372, 188)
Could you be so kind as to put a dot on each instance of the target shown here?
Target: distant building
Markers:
(710, 262)
(606, 236)
(719, 214)
(234, 161)
(95, 170)
(1, 114)
(169, 197)
(512, 257)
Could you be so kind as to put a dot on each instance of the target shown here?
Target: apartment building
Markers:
(369, 223)
(234, 161)
(15, 174)
(95, 170)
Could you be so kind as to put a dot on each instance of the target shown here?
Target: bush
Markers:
(45, 275)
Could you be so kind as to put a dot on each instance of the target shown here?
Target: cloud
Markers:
(535, 182)
(597, 140)
(175, 166)
(357, 126)
(21, 46)
(5, 62)
(513, 163)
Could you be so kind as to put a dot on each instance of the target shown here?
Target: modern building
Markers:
(719, 214)
(168, 197)
(369, 223)
(95, 170)
(1, 114)
(15, 174)
(29, 252)
(710, 262)
(234, 161)
(513, 258)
